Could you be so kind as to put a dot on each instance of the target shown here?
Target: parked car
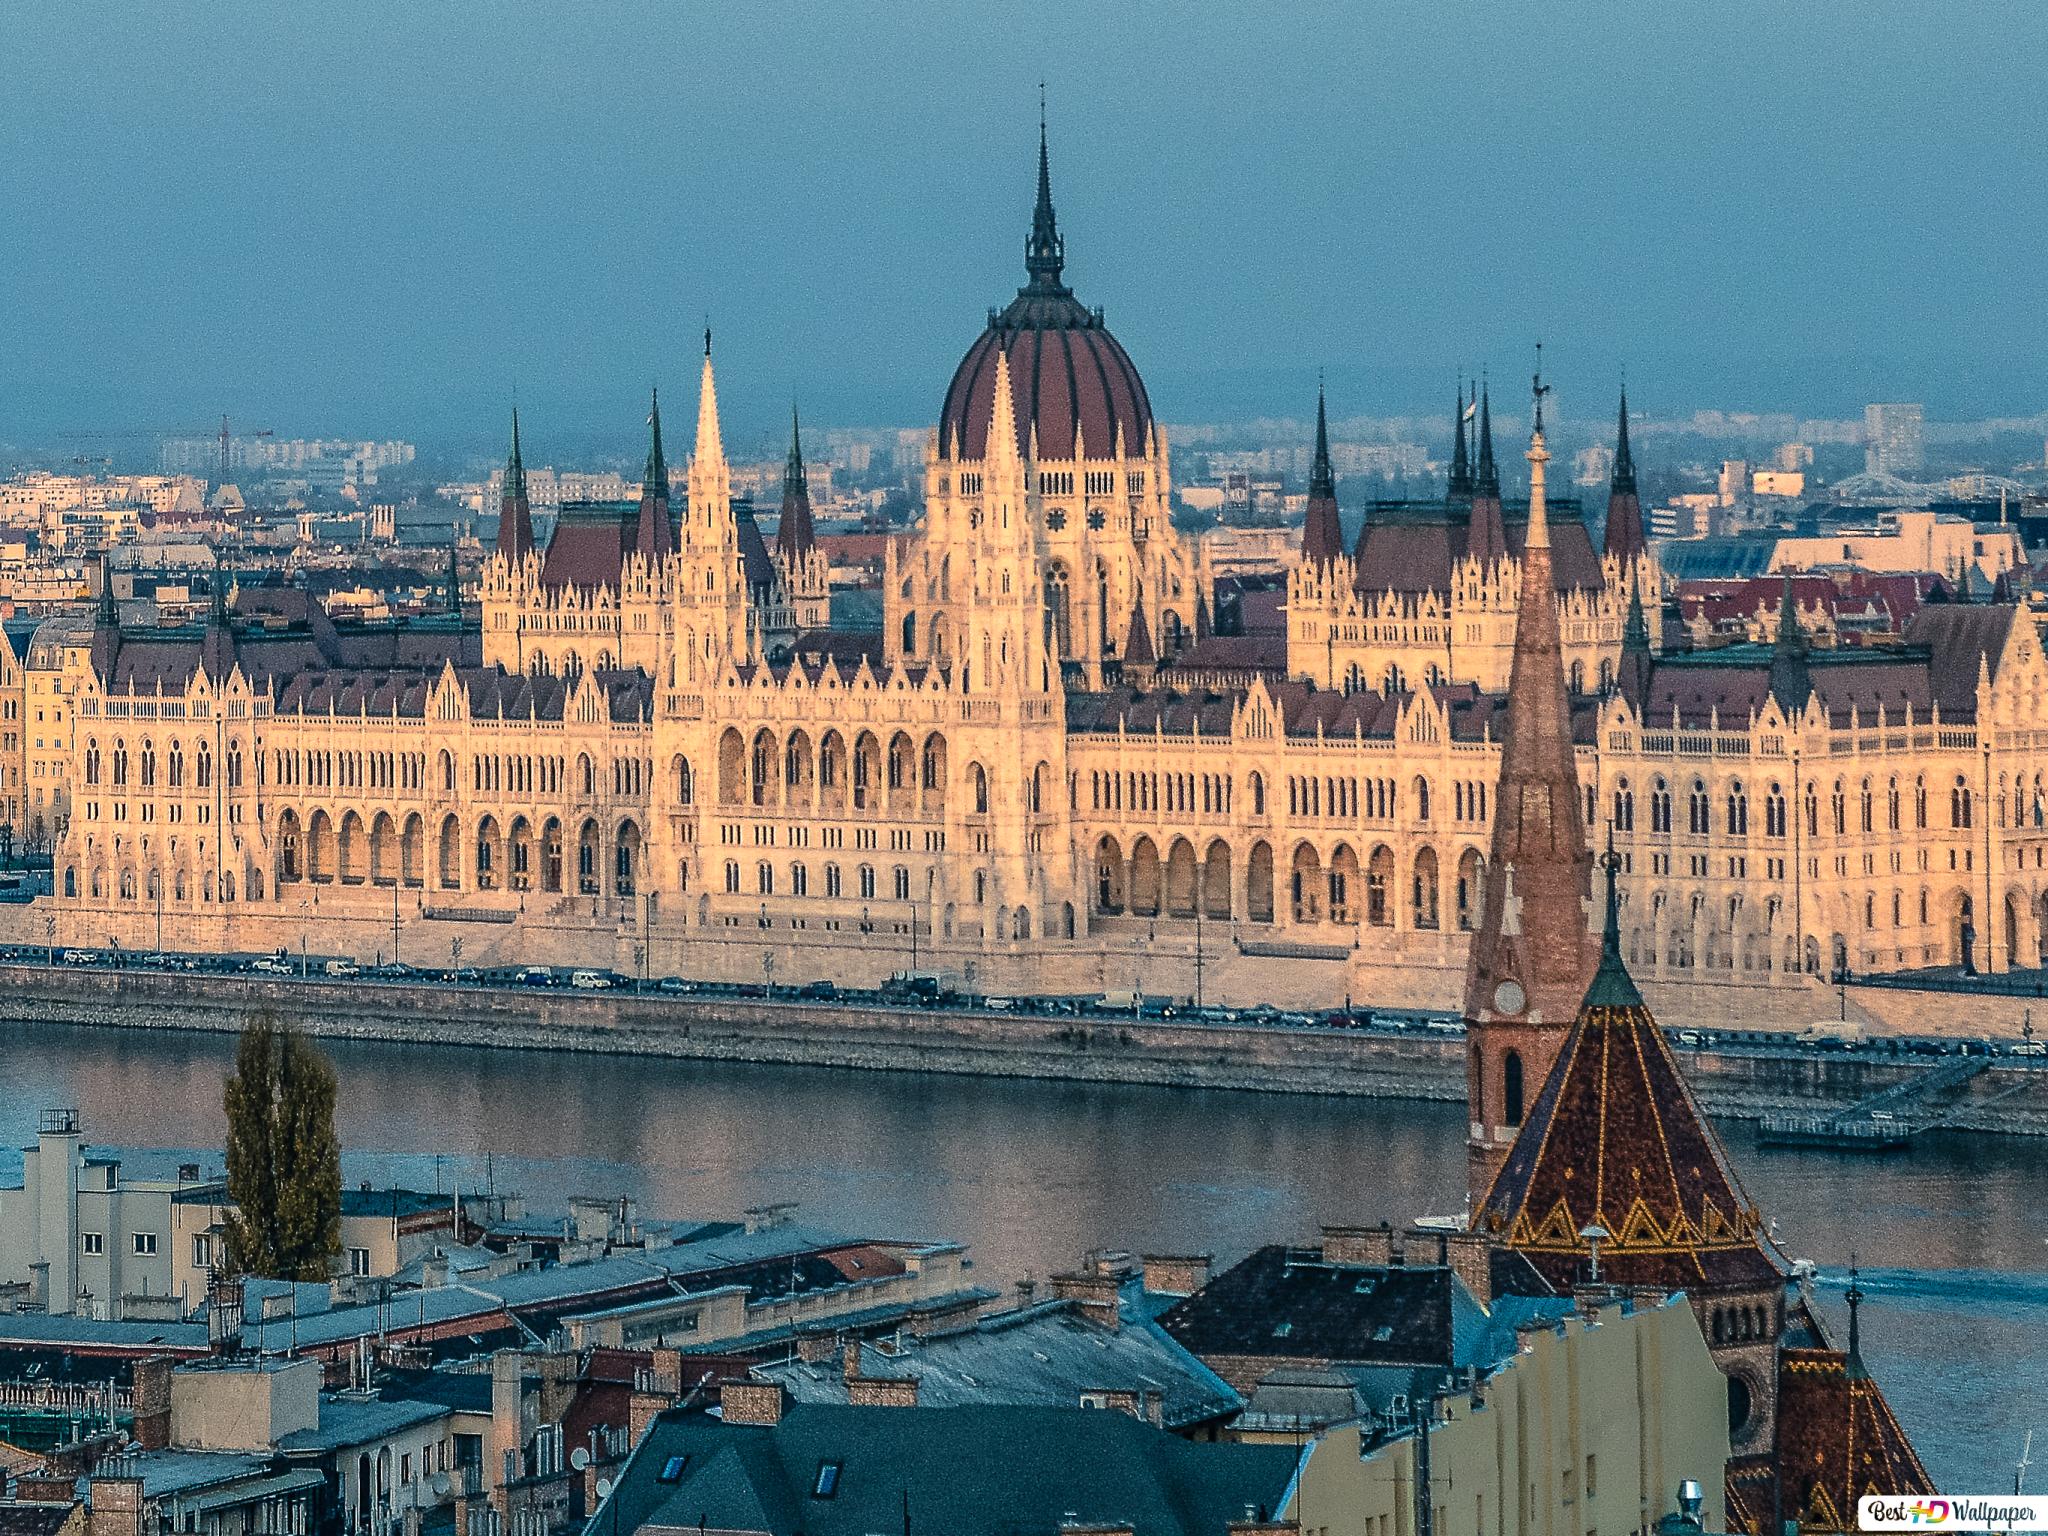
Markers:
(270, 965)
(589, 981)
(80, 957)
(536, 976)
(342, 968)
(672, 984)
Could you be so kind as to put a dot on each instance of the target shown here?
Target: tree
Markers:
(284, 1160)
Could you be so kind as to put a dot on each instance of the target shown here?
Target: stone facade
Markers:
(646, 751)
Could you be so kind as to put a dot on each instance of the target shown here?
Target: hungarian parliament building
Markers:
(1073, 759)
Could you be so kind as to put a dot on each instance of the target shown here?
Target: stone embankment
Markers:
(1732, 1083)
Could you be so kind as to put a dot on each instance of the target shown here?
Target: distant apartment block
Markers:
(1894, 439)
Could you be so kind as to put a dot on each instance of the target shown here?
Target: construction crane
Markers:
(158, 434)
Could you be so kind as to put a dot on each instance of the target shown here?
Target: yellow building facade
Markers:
(1587, 1431)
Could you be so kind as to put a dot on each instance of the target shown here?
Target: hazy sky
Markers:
(379, 217)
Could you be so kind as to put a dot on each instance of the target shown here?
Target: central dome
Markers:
(1068, 375)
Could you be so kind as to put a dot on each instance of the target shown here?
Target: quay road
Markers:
(916, 1023)
(931, 991)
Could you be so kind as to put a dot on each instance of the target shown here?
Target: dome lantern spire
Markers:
(1045, 253)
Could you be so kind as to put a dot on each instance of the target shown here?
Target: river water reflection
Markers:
(1031, 1175)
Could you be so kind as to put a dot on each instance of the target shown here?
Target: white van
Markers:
(590, 981)
(343, 968)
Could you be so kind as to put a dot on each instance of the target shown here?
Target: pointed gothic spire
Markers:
(1624, 461)
(1486, 537)
(1855, 1369)
(515, 514)
(654, 479)
(1461, 463)
(1045, 253)
(1488, 483)
(1791, 682)
(653, 534)
(1624, 538)
(454, 578)
(710, 443)
(1322, 536)
(794, 535)
(1612, 986)
(1002, 428)
(1527, 971)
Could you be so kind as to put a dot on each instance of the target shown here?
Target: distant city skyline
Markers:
(389, 220)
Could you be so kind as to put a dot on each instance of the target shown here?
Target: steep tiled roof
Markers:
(1838, 1440)
(1617, 1141)
(589, 544)
(1412, 547)
(1960, 636)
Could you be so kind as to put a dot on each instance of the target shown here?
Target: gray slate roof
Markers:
(1042, 1356)
(965, 1471)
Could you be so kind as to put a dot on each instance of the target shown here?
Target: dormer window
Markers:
(826, 1484)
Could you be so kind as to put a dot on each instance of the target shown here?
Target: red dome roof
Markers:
(1066, 371)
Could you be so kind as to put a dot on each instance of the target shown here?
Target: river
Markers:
(1031, 1175)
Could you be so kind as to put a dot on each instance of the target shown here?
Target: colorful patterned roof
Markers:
(1617, 1141)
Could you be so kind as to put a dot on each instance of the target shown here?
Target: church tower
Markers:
(1531, 957)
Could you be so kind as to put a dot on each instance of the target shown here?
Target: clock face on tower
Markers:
(1508, 997)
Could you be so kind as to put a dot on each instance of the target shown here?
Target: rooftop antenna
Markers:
(2019, 1476)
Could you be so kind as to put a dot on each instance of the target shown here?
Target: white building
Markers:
(1894, 439)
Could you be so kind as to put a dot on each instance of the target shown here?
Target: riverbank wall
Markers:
(1731, 1083)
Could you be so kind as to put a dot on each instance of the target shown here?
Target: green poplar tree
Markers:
(284, 1159)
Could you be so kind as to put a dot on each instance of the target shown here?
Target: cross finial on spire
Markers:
(1537, 387)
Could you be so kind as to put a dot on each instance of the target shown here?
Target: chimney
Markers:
(751, 1402)
(882, 1391)
(849, 1361)
(1470, 1257)
(1152, 1407)
(1371, 1247)
(814, 1346)
(641, 1410)
(152, 1384)
(1176, 1274)
(114, 1506)
(1095, 1296)
(38, 1488)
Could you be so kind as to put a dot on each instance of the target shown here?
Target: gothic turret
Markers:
(1624, 538)
(1791, 682)
(653, 536)
(1529, 960)
(1322, 538)
(515, 513)
(794, 536)
(1460, 488)
(1487, 538)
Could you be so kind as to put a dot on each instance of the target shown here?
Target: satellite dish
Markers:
(579, 1458)
(604, 1488)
